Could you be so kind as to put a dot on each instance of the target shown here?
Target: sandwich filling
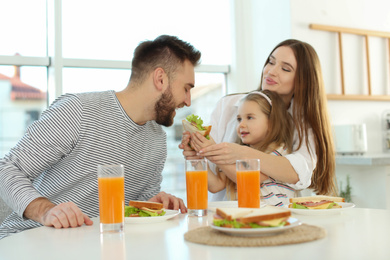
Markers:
(236, 223)
(131, 211)
(197, 122)
(323, 204)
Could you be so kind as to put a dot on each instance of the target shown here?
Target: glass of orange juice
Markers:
(111, 186)
(196, 183)
(248, 183)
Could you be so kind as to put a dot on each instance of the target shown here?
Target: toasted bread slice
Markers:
(266, 213)
(146, 204)
(233, 213)
(187, 126)
(317, 199)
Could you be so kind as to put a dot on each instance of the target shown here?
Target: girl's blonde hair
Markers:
(280, 128)
(310, 111)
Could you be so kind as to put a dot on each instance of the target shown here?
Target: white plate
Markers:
(316, 212)
(139, 220)
(255, 232)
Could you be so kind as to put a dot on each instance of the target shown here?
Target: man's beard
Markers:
(164, 108)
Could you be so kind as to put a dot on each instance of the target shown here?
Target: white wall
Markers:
(368, 183)
(261, 24)
(360, 14)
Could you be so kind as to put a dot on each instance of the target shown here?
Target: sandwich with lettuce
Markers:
(316, 202)
(144, 209)
(194, 123)
(266, 217)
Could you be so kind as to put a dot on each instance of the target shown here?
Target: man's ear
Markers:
(160, 79)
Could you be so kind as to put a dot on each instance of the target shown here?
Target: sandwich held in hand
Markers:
(267, 217)
(144, 209)
(194, 124)
(315, 202)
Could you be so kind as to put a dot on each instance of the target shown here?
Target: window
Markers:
(93, 51)
(77, 80)
(23, 28)
(209, 88)
(31, 116)
(110, 30)
(22, 99)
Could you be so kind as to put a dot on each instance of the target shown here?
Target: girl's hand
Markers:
(198, 141)
(188, 152)
(224, 153)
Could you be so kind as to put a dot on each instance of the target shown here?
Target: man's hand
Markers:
(64, 215)
(169, 201)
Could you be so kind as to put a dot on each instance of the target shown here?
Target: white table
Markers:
(354, 234)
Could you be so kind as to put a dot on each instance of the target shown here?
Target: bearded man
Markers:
(49, 178)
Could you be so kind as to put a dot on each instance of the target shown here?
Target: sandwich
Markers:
(144, 209)
(194, 123)
(267, 217)
(316, 202)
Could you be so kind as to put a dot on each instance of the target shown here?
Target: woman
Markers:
(293, 71)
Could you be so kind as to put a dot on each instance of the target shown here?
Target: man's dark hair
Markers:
(166, 52)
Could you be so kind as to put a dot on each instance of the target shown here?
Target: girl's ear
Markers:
(160, 79)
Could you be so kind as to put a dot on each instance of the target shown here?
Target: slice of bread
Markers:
(248, 215)
(317, 199)
(147, 204)
(233, 213)
(266, 213)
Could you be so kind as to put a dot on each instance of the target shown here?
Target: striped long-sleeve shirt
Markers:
(57, 157)
(275, 192)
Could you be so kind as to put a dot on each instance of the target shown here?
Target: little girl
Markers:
(264, 124)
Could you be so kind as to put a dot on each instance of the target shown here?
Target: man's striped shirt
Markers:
(57, 158)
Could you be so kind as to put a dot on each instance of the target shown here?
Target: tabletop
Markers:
(355, 233)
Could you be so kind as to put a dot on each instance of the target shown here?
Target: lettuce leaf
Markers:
(235, 224)
(298, 206)
(197, 120)
(142, 213)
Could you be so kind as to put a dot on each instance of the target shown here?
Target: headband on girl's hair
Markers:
(263, 95)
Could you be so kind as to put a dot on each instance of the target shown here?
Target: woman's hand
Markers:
(224, 153)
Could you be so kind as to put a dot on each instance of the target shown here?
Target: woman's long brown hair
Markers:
(310, 111)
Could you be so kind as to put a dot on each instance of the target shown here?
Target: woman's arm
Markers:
(277, 167)
(230, 171)
(199, 142)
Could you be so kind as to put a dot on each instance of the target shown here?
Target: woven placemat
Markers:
(300, 234)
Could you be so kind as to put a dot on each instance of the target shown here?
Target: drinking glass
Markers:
(196, 183)
(111, 197)
(248, 183)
